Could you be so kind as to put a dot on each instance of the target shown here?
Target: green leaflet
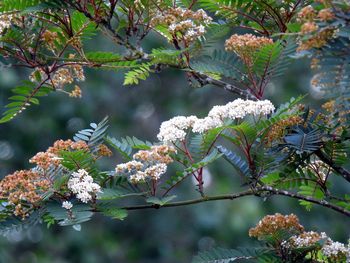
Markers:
(26, 95)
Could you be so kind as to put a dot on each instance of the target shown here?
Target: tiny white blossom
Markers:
(208, 123)
(82, 185)
(175, 129)
(5, 21)
(334, 248)
(67, 205)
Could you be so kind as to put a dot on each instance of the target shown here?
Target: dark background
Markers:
(166, 235)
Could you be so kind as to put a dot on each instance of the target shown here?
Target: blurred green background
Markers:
(166, 235)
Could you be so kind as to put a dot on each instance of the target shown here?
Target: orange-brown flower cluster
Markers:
(307, 13)
(23, 189)
(49, 38)
(76, 92)
(279, 129)
(316, 37)
(308, 27)
(336, 110)
(51, 157)
(270, 224)
(158, 153)
(183, 24)
(103, 150)
(246, 45)
(63, 76)
(326, 15)
(318, 40)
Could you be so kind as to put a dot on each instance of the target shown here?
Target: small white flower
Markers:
(67, 205)
(172, 27)
(332, 249)
(83, 186)
(206, 124)
(175, 129)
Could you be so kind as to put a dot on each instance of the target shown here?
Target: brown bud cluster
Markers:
(23, 189)
(183, 24)
(76, 92)
(317, 36)
(246, 45)
(51, 157)
(103, 150)
(278, 130)
(318, 40)
(270, 224)
(158, 153)
(63, 76)
(49, 38)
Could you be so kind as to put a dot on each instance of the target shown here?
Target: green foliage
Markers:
(160, 201)
(82, 26)
(29, 5)
(304, 141)
(93, 136)
(103, 57)
(135, 75)
(221, 63)
(193, 167)
(24, 96)
(126, 145)
(236, 161)
(14, 225)
(79, 213)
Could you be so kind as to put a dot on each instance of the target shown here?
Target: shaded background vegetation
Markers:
(166, 235)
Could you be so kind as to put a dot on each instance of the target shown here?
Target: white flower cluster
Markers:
(5, 21)
(175, 129)
(67, 205)
(319, 168)
(147, 164)
(307, 239)
(153, 172)
(335, 249)
(83, 186)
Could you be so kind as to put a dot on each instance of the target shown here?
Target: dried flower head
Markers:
(279, 129)
(51, 157)
(23, 189)
(317, 40)
(308, 27)
(326, 14)
(270, 224)
(63, 76)
(49, 38)
(76, 92)
(103, 150)
(246, 45)
(307, 13)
